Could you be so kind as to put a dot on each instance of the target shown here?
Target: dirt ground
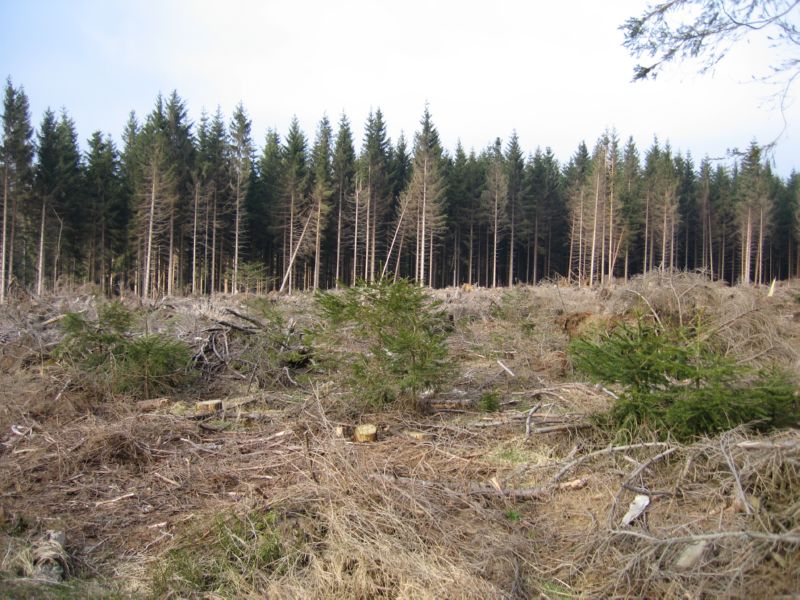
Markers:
(103, 497)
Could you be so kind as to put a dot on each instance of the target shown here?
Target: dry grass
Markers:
(475, 508)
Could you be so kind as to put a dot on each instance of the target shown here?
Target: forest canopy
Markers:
(183, 207)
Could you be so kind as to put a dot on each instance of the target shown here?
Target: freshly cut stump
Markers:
(152, 404)
(208, 407)
(366, 433)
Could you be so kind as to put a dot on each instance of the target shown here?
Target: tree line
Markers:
(194, 208)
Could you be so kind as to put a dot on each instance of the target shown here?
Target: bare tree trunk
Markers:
(236, 227)
(646, 233)
(194, 238)
(394, 238)
(213, 242)
(4, 240)
(40, 261)
(511, 246)
(57, 253)
(430, 261)
(472, 278)
(399, 257)
(290, 268)
(496, 222)
(317, 242)
(594, 230)
(367, 222)
(339, 237)
(355, 234)
(11, 240)
(149, 239)
(373, 251)
(171, 249)
(423, 215)
(580, 243)
(536, 248)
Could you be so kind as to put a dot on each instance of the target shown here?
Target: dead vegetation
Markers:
(518, 497)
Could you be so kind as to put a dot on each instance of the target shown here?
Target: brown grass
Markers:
(444, 516)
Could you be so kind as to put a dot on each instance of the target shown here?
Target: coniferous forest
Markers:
(182, 207)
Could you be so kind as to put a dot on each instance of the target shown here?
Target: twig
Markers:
(505, 368)
(528, 421)
(650, 306)
(753, 535)
(117, 499)
(610, 450)
(563, 427)
(732, 466)
(167, 479)
(255, 322)
(769, 445)
(634, 474)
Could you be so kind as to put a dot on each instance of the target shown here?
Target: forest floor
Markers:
(104, 497)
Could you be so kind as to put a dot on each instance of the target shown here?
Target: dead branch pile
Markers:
(723, 521)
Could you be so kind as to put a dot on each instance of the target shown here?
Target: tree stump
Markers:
(208, 407)
(365, 433)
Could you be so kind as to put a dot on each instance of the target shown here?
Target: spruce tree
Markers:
(16, 156)
(344, 169)
(240, 161)
(295, 178)
(46, 182)
(321, 191)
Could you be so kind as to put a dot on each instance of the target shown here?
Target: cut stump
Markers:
(365, 433)
(208, 407)
(152, 404)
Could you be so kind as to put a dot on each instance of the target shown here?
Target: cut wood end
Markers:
(343, 431)
(207, 407)
(366, 433)
(152, 404)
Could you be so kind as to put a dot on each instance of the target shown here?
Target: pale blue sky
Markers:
(554, 71)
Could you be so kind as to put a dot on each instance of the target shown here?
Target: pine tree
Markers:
(155, 191)
(106, 208)
(421, 214)
(46, 182)
(240, 159)
(374, 179)
(212, 175)
(515, 167)
(271, 185)
(755, 207)
(295, 173)
(322, 190)
(496, 198)
(181, 150)
(70, 201)
(16, 156)
(578, 175)
(344, 169)
(546, 211)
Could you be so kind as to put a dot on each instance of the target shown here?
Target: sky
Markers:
(554, 72)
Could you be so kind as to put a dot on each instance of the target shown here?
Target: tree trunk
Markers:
(149, 237)
(3, 241)
(317, 241)
(194, 238)
(236, 227)
(339, 235)
(40, 261)
(355, 235)
(594, 230)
